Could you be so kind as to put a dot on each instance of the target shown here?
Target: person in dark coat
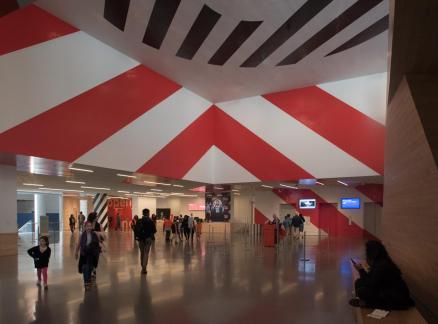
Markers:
(144, 233)
(87, 251)
(41, 256)
(382, 285)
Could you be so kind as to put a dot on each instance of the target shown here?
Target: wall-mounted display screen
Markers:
(350, 203)
(307, 203)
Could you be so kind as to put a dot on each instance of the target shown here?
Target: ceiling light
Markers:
(283, 185)
(158, 183)
(96, 188)
(33, 184)
(56, 189)
(235, 190)
(266, 186)
(320, 183)
(70, 195)
(177, 185)
(177, 193)
(78, 182)
(345, 184)
(79, 169)
(219, 188)
(236, 193)
(126, 175)
(127, 194)
(156, 190)
(122, 191)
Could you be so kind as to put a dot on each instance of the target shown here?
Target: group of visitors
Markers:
(380, 284)
(72, 222)
(291, 225)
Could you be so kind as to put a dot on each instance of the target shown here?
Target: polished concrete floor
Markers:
(217, 280)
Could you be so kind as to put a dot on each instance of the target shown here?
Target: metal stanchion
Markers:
(304, 259)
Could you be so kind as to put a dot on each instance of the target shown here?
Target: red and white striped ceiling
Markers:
(67, 96)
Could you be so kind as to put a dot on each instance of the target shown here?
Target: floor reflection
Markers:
(217, 280)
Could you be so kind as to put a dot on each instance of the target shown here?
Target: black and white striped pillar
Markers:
(100, 204)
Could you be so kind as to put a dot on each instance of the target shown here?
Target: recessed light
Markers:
(123, 191)
(79, 169)
(218, 188)
(158, 183)
(56, 189)
(96, 188)
(266, 186)
(126, 175)
(236, 193)
(343, 183)
(283, 185)
(156, 190)
(77, 182)
(235, 190)
(33, 184)
(177, 185)
(320, 183)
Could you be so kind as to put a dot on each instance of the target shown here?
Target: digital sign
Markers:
(350, 203)
(307, 203)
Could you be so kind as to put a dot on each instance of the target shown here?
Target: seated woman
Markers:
(382, 286)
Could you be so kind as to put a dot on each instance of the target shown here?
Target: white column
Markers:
(8, 217)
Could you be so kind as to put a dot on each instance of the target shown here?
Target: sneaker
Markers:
(38, 283)
(144, 271)
(356, 302)
(46, 287)
(87, 287)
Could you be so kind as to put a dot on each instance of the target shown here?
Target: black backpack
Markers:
(140, 230)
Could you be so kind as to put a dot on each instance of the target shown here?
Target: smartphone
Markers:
(352, 261)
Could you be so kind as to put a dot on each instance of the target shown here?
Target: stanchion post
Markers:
(304, 259)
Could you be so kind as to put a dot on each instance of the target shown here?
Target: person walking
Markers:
(301, 227)
(41, 256)
(96, 228)
(144, 233)
(118, 222)
(89, 254)
(167, 228)
(185, 227)
(198, 229)
(71, 222)
(81, 221)
(296, 224)
(191, 225)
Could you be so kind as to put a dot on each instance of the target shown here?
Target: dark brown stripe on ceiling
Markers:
(375, 29)
(116, 11)
(237, 37)
(199, 31)
(303, 15)
(159, 23)
(350, 15)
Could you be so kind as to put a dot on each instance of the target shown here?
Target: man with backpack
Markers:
(297, 224)
(144, 231)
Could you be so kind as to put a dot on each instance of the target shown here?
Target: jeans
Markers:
(42, 271)
(144, 246)
(87, 269)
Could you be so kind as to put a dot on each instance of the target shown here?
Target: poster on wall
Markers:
(122, 207)
(218, 206)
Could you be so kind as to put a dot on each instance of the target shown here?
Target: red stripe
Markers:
(373, 192)
(182, 153)
(254, 154)
(74, 127)
(338, 220)
(344, 126)
(29, 26)
(259, 218)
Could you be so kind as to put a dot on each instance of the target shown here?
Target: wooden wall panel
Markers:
(71, 206)
(410, 214)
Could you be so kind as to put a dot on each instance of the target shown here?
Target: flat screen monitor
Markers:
(307, 203)
(350, 203)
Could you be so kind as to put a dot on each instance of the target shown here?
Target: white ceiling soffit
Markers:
(225, 50)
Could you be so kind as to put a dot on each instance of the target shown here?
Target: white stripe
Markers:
(135, 144)
(366, 94)
(299, 143)
(216, 167)
(42, 76)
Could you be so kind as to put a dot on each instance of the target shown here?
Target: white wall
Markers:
(180, 205)
(241, 208)
(140, 203)
(8, 199)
